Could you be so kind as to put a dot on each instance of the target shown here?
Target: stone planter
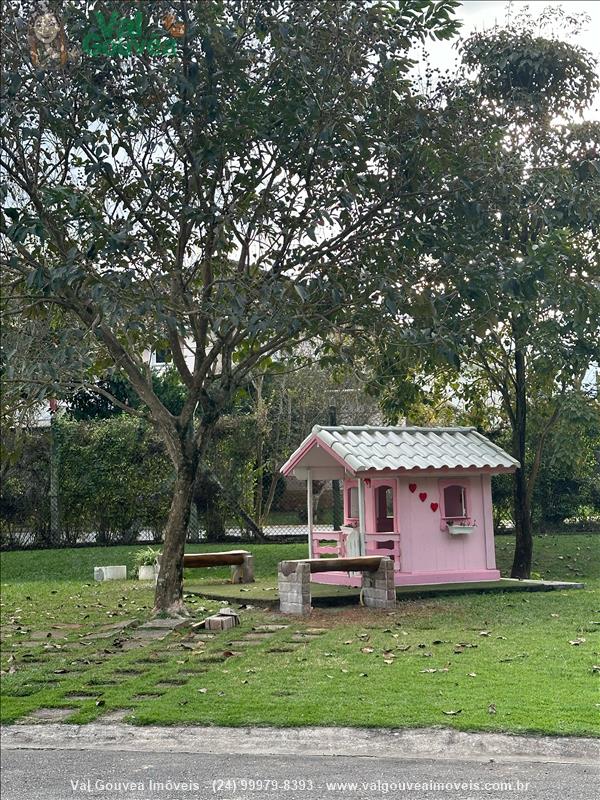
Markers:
(113, 573)
(147, 572)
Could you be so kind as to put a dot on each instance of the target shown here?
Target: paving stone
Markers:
(27, 644)
(257, 635)
(269, 628)
(190, 673)
(48, 715)
(117, 715)
(288, 648)
(36, 636)
(314, 631)
(152, 634)
(171, 684)
(69, 626)
(91, 637)
(133, 644)
(167, 624)
(148, 696)
(131, 672)
(104, 682)
(119, 626)
(82, 695)
(244, 643)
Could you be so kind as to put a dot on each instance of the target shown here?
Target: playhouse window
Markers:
(384, 509)
(455, 502)
(352, 503)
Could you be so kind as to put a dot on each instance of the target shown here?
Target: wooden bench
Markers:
(378, 589)
(241, 562)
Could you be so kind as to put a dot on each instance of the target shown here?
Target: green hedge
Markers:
(114, 480)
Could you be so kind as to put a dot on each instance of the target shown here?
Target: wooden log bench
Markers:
(241, 562)
(378, 589)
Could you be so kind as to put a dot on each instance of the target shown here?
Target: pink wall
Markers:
(424, 545)
(431, 549)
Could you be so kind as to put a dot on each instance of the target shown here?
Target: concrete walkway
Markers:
(425, 743)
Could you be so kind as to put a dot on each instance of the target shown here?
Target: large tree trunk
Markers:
(521, 567)
(168, 598)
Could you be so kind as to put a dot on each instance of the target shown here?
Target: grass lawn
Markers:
(503, 661)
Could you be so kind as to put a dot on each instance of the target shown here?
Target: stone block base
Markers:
(378, 590)
(294, 588)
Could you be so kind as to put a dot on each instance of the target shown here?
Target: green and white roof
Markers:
(365, 448)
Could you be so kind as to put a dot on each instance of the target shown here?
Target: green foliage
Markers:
(521, 69)
(508, 313)
(146, 557)
(114, 480)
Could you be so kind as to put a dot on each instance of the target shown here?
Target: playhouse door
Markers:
(384, 513)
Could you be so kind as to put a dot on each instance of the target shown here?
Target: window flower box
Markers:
(460, 527)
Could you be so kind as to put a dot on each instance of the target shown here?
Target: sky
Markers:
(481, 14)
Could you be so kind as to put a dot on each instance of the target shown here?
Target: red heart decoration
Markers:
(412, 487)
(423, 496)
(434, 506)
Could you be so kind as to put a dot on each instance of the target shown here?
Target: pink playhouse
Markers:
(420, 495)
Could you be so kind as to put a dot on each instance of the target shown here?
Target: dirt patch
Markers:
(48, 715)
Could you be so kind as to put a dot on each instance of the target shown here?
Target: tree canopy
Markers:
(242, 187)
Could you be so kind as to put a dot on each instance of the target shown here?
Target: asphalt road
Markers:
(35, 774)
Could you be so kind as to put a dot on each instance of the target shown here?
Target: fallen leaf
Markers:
(203, 691)
(430, 671)
(472, 674)
(452, 713)
(388, 660)
(579, 640)
(492, 708)
(484, 633)
(367, 650)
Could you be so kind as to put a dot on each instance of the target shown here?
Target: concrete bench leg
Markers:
(378, 590)
(294, 588)
(243, 573)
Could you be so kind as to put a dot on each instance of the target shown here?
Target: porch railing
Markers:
(333, 543)
(329, 543)
(384, 544)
